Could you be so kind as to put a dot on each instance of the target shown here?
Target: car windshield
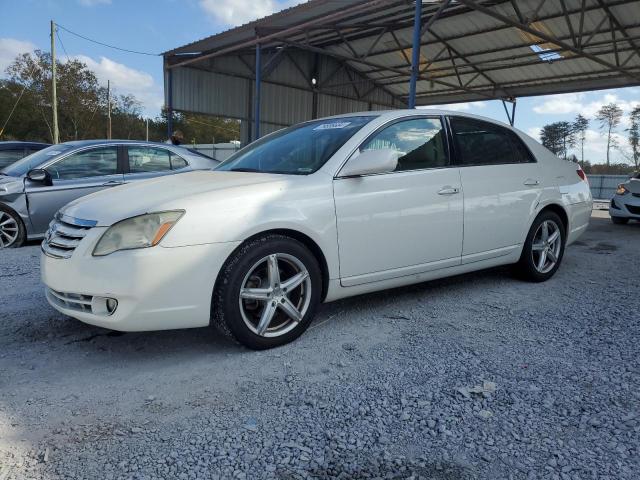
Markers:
(298, 150)
(21, 167)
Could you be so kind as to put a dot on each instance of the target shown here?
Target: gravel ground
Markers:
(478, 376)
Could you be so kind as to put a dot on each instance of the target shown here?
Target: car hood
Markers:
(633, 185)
(163, 193)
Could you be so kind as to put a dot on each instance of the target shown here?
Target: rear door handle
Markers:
(531, 182)
(449, 190)
(112, 183)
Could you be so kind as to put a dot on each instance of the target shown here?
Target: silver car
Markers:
(33, 189)
(625, 205)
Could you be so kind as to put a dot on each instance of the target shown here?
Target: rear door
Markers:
(501, 184)
(75, 175)
(402, 222)
(143, 162)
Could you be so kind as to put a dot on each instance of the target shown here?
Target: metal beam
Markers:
(415, 53)
(545, 36)
(256, 130)
(622, 29)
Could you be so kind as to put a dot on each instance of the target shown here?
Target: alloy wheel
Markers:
(8, 230)
(275, 295)
(546, 246)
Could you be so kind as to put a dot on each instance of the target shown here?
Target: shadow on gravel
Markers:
(379, 468)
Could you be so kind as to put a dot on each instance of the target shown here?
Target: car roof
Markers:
(85, 143)
(17, 143)
(417, 111)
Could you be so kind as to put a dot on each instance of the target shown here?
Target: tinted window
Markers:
(7, 157)
(87, 163)
(482, 143)
(148, 159)
(36, 160)
(418, 141)
(298, 150)
(177, 162)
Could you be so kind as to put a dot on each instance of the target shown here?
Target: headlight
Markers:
(621, 190)
(137, 232)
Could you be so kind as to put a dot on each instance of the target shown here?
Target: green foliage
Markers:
(634, 136)
(609, 117)
(558, 137)
(82, 107)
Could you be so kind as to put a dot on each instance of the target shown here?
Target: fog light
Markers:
(103, 306)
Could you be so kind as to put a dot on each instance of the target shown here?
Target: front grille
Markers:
(64, 235)
(71, 301)
(633, 209)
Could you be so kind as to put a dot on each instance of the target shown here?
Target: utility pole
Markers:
(109, 109)
(54, 96)
(147, 122)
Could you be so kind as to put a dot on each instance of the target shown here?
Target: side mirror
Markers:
(371, 161)
(40, 175)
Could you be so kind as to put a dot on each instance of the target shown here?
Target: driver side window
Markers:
(419, 143)
(95, 162)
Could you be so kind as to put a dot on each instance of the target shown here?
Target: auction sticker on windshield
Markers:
(329, 126)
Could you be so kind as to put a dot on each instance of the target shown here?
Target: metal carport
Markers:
(326, 57)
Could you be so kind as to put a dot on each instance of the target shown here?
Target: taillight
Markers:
(582, 175)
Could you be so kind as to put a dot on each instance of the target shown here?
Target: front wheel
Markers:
(12, 232)
(268, 292)
(543, 249)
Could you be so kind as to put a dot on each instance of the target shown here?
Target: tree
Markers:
(609, 117)
(558, 137)
(580, 125)
(634, 135)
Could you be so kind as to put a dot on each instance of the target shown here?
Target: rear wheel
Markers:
(620, 220)
(543, 249)
(12, 232)
(268, 292)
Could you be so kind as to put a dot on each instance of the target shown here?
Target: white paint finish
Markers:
(390, 229)
(397, 220)
(156, 288)
(498, 206)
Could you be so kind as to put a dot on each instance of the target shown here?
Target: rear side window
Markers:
(177, 162)
(148, 159)
(419, 143)
(482, 143)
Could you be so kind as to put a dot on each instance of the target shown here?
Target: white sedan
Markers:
(319, 211)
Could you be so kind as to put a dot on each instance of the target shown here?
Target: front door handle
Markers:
(449, 190)
(531, 182)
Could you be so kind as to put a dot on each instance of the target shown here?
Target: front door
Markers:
(501, 185)
(73, 176)
(402, 222)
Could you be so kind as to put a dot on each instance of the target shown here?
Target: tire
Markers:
(12, 231)
(620, 220)
(530, 267)
(293, 293)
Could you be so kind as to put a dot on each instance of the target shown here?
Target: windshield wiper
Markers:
(243, 169)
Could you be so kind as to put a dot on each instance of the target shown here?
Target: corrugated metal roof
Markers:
(359, 52)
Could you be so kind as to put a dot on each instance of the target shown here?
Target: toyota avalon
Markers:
(319, 211)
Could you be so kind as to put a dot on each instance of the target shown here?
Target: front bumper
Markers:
(156, 288)
(625, 206)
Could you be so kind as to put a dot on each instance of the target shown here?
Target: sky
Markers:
(155, 26)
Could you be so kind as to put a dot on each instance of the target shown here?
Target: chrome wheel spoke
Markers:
(542, 260)
(261, 294)
(545, 231)
(294, 281)
(536, 247)
(554, 236)
(274, 271)
(265, 318)
(289, 308)
(552, 256)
